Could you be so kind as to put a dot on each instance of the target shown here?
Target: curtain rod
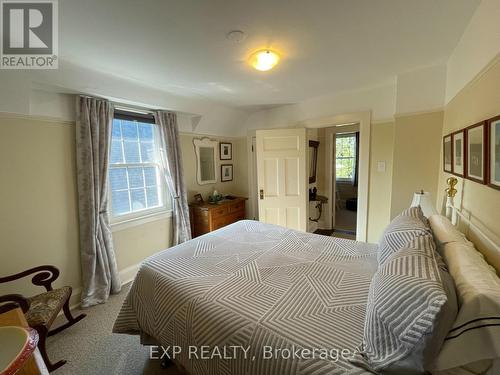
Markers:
(133, 109)
(123, 107)
(137, 109)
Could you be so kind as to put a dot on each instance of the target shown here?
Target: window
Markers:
(345, 158)
(135, 178)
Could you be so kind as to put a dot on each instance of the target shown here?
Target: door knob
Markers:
(261, 193)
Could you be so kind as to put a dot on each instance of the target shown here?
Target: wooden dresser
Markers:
(207, 217)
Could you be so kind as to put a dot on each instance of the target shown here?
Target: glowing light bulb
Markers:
(264, 60)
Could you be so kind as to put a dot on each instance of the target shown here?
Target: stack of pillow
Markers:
(411, 303)
(474, 339)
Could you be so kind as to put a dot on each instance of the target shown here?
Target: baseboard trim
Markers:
(126, 275)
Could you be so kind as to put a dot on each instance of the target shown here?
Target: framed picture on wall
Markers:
(476, 145)
(458, 147)
(226, 151)
(494, 152)
(447, 154)
(226, 172)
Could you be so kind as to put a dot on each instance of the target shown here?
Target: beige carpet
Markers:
(90, 347)
(347, 236)
(345, 220)
(345, 224)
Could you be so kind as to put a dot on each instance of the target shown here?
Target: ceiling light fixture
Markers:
(236, 36)
(264, 60)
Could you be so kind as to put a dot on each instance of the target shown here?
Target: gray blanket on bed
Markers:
(254, 298)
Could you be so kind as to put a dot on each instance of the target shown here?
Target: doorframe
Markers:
(252, 176)
(364, 120)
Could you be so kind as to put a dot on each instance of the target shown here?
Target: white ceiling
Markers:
(328, 46)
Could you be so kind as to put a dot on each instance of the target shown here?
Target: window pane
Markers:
(131, 152)
(120, 202)
(345, 146)
(150, 174)
(138, 198)
(134, 186)
(116, 132)
(118, 178)
(345, 168)
(345, 156)
(129, 130)
(152, 193)
(135, 178)
(146, 132)
(116, 155)
(147, 152)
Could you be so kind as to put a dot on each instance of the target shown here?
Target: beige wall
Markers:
(239, 185)
(38, 201)
(39, 219)
(379, 205)
(478, 101)
(134, 244)
(417, 146)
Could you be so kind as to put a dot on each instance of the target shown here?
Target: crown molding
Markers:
(419, 113)
(23, 116)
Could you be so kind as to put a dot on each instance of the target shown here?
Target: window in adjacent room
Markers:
(345, 158)
(136, 181)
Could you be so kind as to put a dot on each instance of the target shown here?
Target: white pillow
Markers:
(475, 335)
(445, 232)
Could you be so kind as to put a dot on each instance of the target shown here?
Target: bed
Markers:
(235, 286)
(255, 298)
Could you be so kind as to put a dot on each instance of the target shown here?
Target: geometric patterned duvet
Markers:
(268, 289)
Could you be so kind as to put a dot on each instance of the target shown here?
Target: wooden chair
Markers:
(41, 310)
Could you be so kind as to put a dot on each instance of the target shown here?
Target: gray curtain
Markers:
(171, 159)
(93, 132)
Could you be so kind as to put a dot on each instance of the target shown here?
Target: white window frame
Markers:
(343, 179)
(146, 215)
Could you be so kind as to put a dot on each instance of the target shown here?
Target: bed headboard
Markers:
(482, 237)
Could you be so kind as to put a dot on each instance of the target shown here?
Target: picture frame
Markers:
(493, 130)
(226, 151)
(448, 154)
(226, 172)
(198, 199)
(476, 142)
(459, 153)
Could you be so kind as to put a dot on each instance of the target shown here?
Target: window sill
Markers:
(137, 221)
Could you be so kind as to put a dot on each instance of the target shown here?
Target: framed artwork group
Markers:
(226, 153)
(474, 152)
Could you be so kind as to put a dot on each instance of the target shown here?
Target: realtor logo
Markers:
(29, 34)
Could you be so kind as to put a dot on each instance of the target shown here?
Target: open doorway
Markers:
(334, 210)
(345, 177)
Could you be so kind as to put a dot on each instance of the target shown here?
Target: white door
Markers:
(282, 178)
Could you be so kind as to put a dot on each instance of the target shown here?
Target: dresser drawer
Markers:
(219, 211)
(208, 217)
(219, 222)
(238, 206)
(234, 217)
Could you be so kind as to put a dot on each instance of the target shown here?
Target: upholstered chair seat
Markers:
(44, 307)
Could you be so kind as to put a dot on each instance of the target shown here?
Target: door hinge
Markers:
(252, 148)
